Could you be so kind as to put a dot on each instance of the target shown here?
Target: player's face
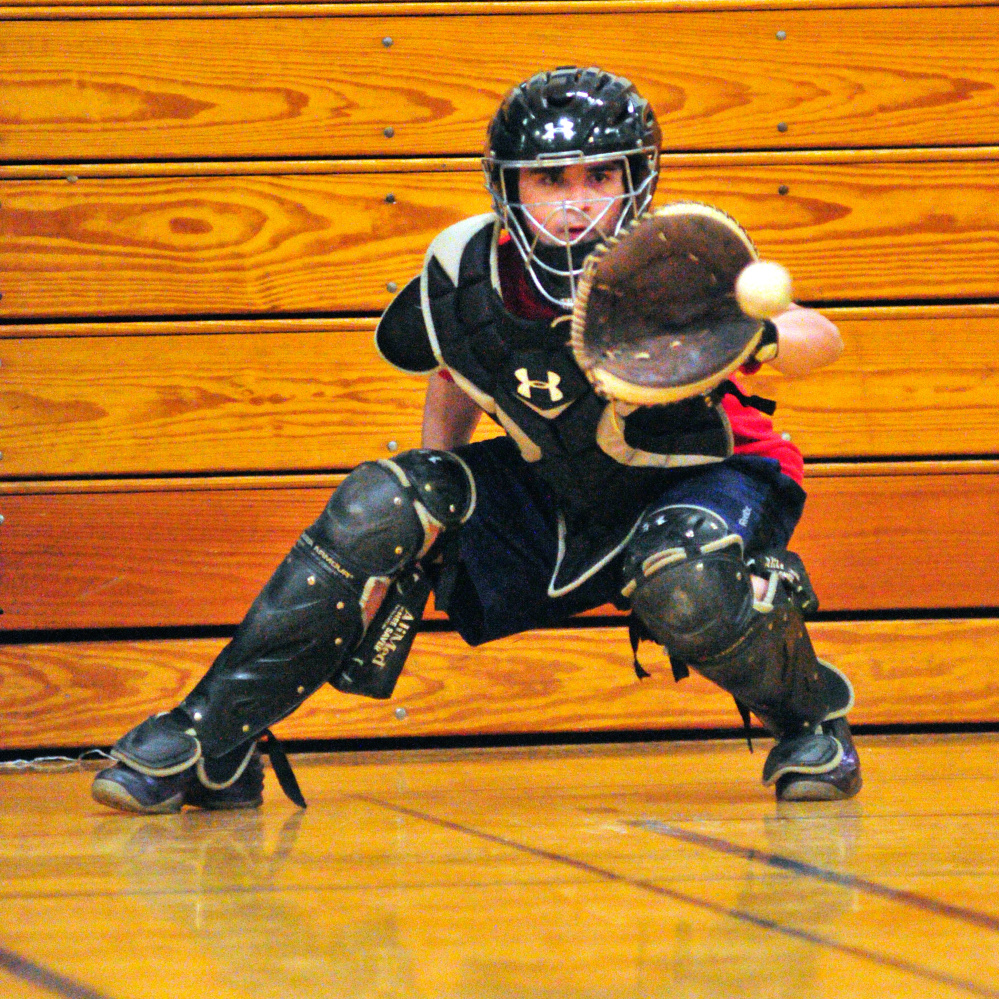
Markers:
(564, 203)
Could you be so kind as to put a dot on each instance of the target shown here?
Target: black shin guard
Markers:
(772, 670)
(309, 618)
(293, 639)
(296, 634)
(693, 592)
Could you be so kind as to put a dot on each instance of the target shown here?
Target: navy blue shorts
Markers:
(506, 551)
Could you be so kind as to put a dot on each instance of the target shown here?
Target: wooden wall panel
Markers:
(89, 693)
(228, 402)
(204, 245)
(145, 246)
(911, 381)
(914, 381)
(890, 539)
(140, 558)
(214, 245)
(256, 180)
(329, 86)
(172, 555)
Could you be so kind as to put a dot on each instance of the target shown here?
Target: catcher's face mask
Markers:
(557, 208)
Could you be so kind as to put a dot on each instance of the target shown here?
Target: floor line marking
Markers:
(901, 895)
(35, 974)
(656, 889)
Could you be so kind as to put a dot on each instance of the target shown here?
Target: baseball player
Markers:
(675, 505)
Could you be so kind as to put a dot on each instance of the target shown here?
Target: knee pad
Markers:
(387, 513)
(688, 582)
(441, 484)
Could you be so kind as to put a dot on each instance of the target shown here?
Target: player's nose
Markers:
(580, 198)
(580, 194)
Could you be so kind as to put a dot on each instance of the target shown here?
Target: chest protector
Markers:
(603, 461)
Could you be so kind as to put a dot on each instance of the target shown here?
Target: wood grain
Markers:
(161, 556)
(228, 402)
(135, 558)
(219, 245)
(217, 397)
(267, 245)
(893, 540)
(228, 86)
(579, 680)
(911, 381)
(655, 868)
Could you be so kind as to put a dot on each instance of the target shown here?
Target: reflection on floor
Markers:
(632, 870)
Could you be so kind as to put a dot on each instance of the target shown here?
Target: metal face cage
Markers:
(555, 266)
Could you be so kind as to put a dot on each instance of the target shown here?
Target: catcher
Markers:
(633, 469)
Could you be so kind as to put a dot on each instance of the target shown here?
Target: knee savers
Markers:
(312, 612)
(688, 582)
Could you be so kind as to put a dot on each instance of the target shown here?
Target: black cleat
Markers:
(841, 782)
(819, 764)
(127, 790)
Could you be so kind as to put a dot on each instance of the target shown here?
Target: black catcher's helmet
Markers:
(561, 117)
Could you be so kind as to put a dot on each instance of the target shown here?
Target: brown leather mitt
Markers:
(656, 316)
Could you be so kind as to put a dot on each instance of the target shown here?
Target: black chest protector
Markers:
(603, 462)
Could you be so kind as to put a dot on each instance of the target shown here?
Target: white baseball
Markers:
(763, 289)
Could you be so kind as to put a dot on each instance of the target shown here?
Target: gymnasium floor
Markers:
(633, 870)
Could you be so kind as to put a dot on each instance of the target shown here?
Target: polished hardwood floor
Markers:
(629, 871)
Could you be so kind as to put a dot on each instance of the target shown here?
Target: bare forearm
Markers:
(449, 416)
(806, 340)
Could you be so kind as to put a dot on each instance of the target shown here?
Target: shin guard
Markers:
(772, 669)
(293, 639)
(308, 619)
(693, 592)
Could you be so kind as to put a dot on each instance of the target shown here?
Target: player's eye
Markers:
(549, 178)
(603, 175)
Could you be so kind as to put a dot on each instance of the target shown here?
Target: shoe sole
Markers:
(226, 806)
(112, 794)
(804, 789)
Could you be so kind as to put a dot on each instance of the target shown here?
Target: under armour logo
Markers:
(526, 384)
(565, 128)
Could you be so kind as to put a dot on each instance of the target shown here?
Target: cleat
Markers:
(819, 764)
(841, 782)
(127, 790)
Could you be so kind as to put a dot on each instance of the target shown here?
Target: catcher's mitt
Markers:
(656, 316)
